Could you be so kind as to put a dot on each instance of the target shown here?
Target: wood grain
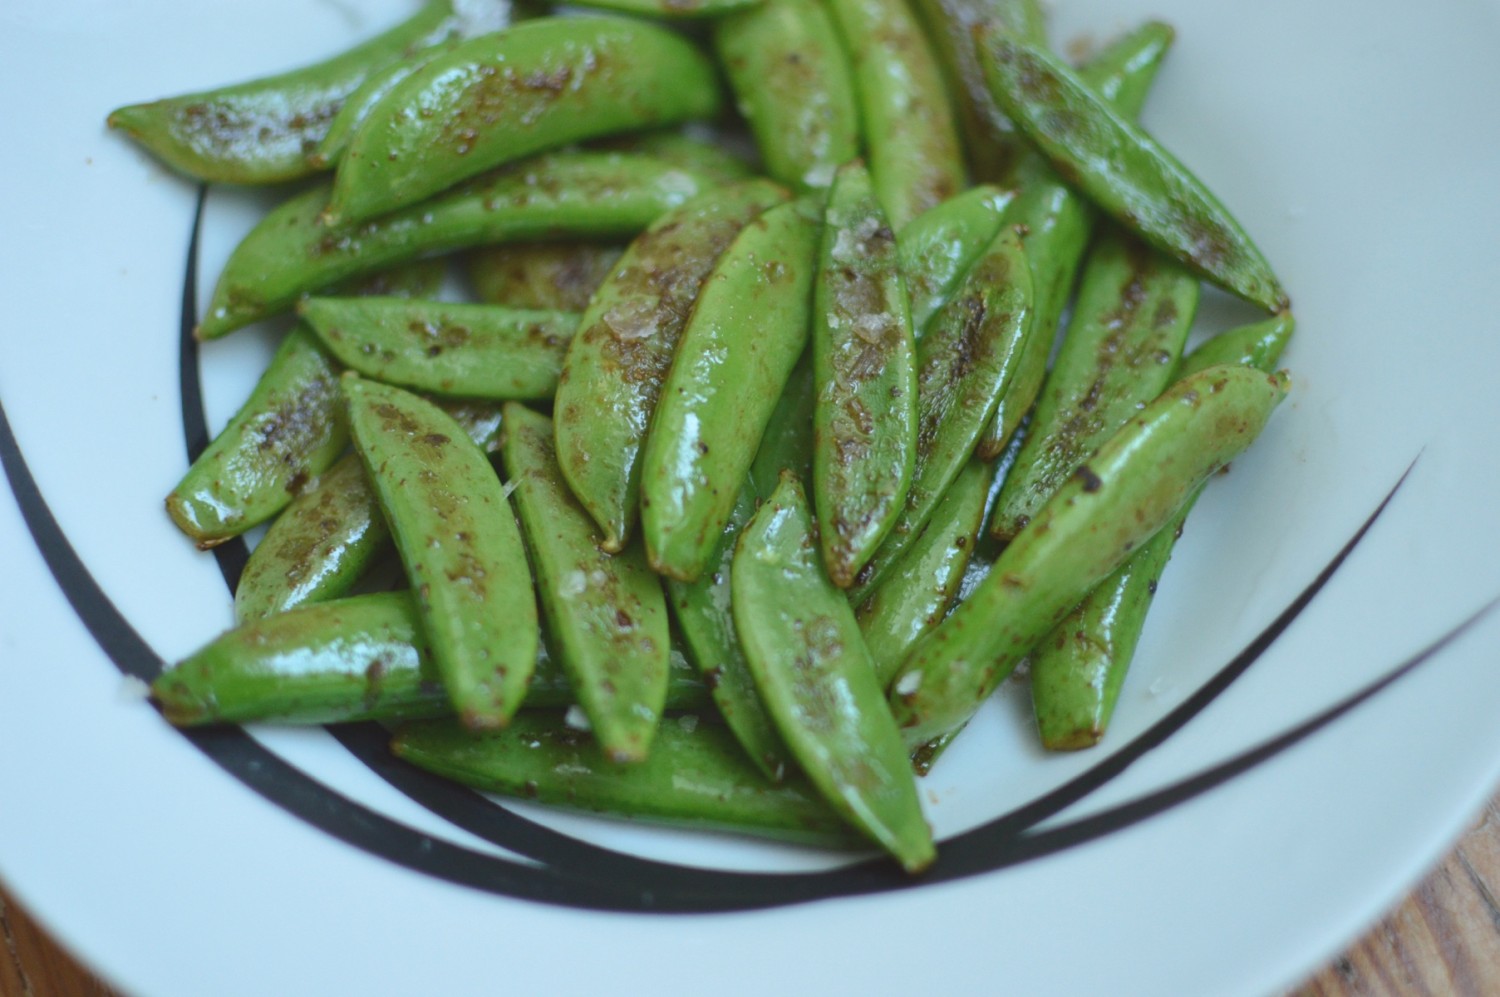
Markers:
(1442, 941)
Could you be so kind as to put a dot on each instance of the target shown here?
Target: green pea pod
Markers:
(697, 778)
(462, 350)
(748, 327)
(1126, 492)
(291, 253)
(864, 365)
(556, 276)
(330, 534)
(361, 658)
(911, 139)
(1056, 221)
(704, 617)
(458, 542)
(606, 612)
(965, 363)
(792, 81)
(357, 106)
(262, 131)
(787, 443)
(940, 245)
(1132, 317)
(615, 366)
(918, 590)
(287, 432)
(989, 138)
(694, 148)
(817, 681)
(1077, 671)
(1122, 169)
(496, 98)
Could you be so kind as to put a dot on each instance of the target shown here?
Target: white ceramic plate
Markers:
(1356, 143)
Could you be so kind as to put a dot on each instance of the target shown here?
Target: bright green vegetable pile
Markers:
(710, 440)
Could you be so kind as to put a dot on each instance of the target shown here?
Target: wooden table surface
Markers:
(1444, 939)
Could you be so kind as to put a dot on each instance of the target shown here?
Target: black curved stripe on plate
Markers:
(230, 557)
(265, 772)
(1056, 800)
(1095, 826)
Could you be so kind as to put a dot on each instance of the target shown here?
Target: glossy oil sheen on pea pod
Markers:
(911, 139)
(288, 431)
(964, 366)
(615, 366)
(291, 253)
(817, 681)
(496, 98)
(326, 539)
(864, 366)
(1130, 322)
(605, 612)
(458, 542)
(696, 777)
(918, 590)
(262, 131)
(748, 327)
(697, 148)
(445, 348)
(1126, 492)
(361, 658)
(1077, 671)
(1123, 170)
(554, 276)
(989, 138)
(356, 108)
(791, 79)
(940, 245)
(1056, 221)
(706, 621)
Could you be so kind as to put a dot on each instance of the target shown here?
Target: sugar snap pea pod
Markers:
(748, 327)
(458, 542)
(911, 139)
(817, 681)
(1057, 221)
(1127, 491)
(920, 587)
(964, 364)
(291, 253)
(940, 245)
(1123, 170)
(361, 658)
(496, 98)
(1077, 670)
(696, 778)
(445, 348)
(559, 276)
(864, 366)
(287, 432)
(989, 138)
(787, 443)
(262, 131)
(706, 621)
(606, 612)
(1129, 325)
(330, 534)
(618, 359)
(792, 81)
